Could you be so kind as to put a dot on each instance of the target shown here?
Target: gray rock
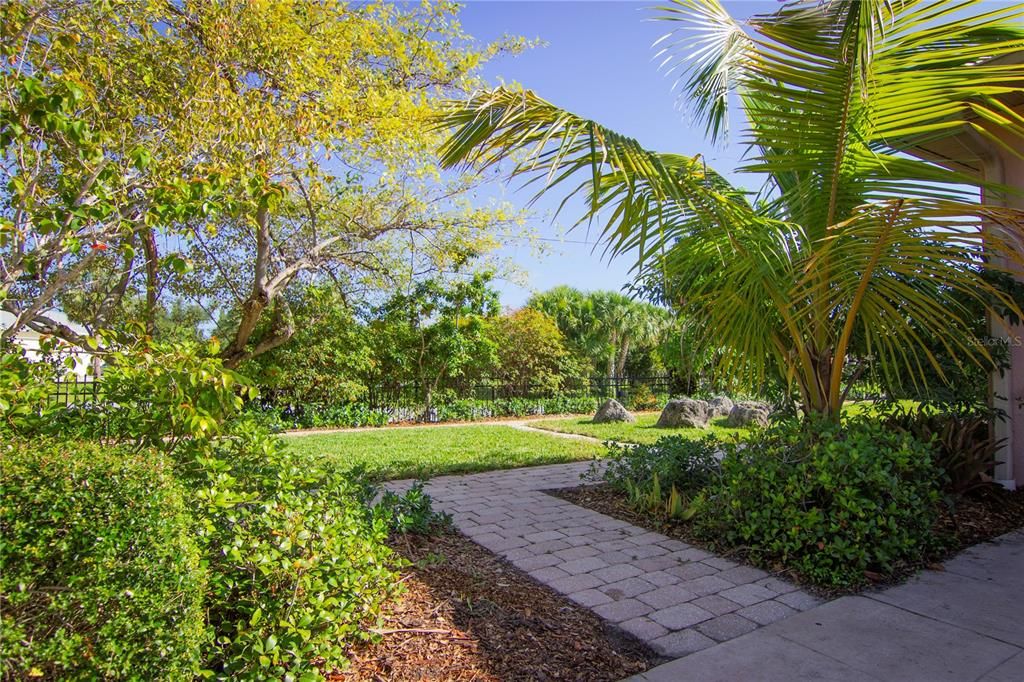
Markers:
(749, 414)
(612, 411)
(684, 413)
(720, 406)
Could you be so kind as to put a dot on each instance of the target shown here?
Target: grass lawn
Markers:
(434, 451)
(641, 431)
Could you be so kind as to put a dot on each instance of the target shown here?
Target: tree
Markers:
(603, 325)
(435, 333)
(223, 151)
(531, 351)
(329, 358)
(851, 238)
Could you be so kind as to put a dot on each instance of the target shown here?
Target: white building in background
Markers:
(30, 341)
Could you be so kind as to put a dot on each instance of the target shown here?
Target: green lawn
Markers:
(641, 431)
(392, 453)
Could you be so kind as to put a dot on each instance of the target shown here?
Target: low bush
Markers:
(351, 415)
(298, 563)
(832, 501)
(665, 476)
(295, 560)
(645, 399)
(100, 573)
(964, 448)
(411, 512)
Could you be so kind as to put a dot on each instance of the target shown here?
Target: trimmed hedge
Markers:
(100, 574)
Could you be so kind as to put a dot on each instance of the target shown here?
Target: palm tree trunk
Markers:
(620, 366)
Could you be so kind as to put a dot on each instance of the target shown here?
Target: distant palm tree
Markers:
(852, 240)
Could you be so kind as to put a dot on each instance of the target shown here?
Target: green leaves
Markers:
(827, 500)
(835, 95)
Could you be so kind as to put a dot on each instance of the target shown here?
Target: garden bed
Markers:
(974, 519)
(469, 615)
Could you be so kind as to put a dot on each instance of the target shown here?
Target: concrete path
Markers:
(964, 623)
(677, 598)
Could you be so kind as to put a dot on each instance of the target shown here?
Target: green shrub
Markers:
(644, 399)
(100, 574)
(663, 477)
(411, 512)
(831, 501)
(25, 389)
(351, 415)
(298, 563)
(963, 445)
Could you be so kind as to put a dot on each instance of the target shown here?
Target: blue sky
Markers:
(598, 62)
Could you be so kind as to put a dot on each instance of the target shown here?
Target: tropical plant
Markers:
(851, 241)
(605, 326)
(531, 352)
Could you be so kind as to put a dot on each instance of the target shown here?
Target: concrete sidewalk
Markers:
(963, 623)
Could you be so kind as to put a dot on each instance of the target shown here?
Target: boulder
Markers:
(749, 414)
(684, 413)
(719, 406)
(612, 411)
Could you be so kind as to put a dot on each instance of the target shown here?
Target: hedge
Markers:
(100, 573)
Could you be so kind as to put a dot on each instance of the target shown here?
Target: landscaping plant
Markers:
(663, 478)
(101, 572)
(211, 548)
(855, 248)
(835, 502)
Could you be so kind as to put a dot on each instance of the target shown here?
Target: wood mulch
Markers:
(467, 614)
(975, 518)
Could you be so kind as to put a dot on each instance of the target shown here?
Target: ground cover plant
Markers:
(425, 451)
(640, 431)
(837, 506)
(832, 502)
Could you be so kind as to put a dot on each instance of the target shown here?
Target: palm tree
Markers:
(852, 239)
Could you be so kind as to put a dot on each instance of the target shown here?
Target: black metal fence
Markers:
(385, 395)
(76, 390)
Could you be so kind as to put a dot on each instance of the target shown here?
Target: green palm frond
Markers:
(650, 196)
(854, 239)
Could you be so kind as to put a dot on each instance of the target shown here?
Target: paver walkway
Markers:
(677, 598)
(962, 624)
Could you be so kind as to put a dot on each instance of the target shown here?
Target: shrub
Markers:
(24, 390)
(411, 512)
(298, 563)
(100, 574)
(831, 501)
(963, 447)
(664, 476)
(348, 415)
(644, 399)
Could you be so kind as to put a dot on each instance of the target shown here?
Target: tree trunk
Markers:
(620, 365)
(260, 296)
(152, 261)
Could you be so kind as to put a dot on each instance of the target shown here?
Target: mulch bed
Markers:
(975, 518)
(469, 615)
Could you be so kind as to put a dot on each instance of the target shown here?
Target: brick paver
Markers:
(677, 598)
